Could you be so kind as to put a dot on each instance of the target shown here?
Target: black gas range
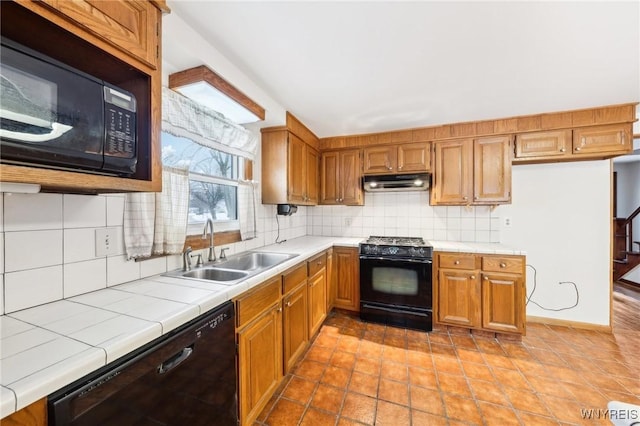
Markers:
(395, 281)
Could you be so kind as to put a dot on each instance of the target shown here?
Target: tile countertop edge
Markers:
(469, 247)
(31, 388)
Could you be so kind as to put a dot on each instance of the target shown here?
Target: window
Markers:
(213, 181)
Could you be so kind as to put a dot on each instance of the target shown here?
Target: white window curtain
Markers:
(185, 118)
(156, 223)
(247, 209)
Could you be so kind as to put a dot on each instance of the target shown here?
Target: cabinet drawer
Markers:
(317, 263)
(502, 264)
(294, 277)
(457, 261)
(250, 306)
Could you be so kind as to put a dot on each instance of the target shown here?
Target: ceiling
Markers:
(359, 67)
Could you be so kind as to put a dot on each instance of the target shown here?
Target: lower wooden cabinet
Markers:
(480, 291)
(259, 363)
(459, 298)
(347, 276)
(295, 329)
(317, 286)
(33, 415)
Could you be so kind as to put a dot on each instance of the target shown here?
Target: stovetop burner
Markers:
(396, 241)
(396, 247)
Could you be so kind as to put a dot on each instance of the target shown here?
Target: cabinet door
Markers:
(331, 280)
(492, 169)
(414, 157)
(452, 180)
(502, 302)
(317, 301)
(294, 325)
(555, 143)
(380, 159)
(350, 178)
(131, 26)
(602, 139)
(459, 298)
(34, 414)
(259, 363)
(329, 178)
(312, 190)
(347, 278)
(296, 170)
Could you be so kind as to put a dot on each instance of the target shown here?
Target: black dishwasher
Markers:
(187, 377)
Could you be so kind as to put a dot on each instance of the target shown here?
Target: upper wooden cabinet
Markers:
(403, 158)
(295, 146)
(340, 178)
(600, 140)
(556, 143)
(583, 143)
(130, 26)
(472, 171)
(116, 41)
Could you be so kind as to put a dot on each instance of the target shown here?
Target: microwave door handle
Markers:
(57, 130)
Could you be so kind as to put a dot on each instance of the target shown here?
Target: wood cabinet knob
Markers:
(562, 149)
(473, 277)
(486, 278)
(503, 265)
(288, 304)
(465, 198)
(578, 148)
(457, 262)
(279, 310)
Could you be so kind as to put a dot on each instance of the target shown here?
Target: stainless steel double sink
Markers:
(234, 269)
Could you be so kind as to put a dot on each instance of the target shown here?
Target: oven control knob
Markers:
(417, 251)
(393, 250)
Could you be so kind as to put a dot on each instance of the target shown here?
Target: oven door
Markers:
(396, 291)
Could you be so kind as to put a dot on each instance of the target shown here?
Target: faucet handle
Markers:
(186, 259)
(223, 255)
(199, 262)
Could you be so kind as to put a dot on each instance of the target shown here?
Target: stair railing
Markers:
(628, 224)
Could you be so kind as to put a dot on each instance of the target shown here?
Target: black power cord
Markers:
(278, 236)
(535, 279)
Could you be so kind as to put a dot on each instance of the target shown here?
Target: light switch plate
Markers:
(106, 242)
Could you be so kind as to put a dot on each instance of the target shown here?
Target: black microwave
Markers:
(55, 116)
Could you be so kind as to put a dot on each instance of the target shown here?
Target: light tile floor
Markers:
(357, 373)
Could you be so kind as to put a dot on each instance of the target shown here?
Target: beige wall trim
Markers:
(572, 324)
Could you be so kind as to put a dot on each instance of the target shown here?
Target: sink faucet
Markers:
(209, 226)
(186, 259)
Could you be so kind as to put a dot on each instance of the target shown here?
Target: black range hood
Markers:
(389, 183)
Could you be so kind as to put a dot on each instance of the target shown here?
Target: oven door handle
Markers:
(389, 259)
(393, 310)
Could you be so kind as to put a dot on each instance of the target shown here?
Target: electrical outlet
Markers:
(348, 221)
(507, 222)
(106, 241)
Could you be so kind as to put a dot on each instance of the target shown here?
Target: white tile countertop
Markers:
(45, 348)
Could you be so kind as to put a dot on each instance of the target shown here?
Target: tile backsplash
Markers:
(406, 214)
(48, 246)
(48, 241)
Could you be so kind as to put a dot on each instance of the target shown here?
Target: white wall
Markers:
(560, 216)
(628, 201)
